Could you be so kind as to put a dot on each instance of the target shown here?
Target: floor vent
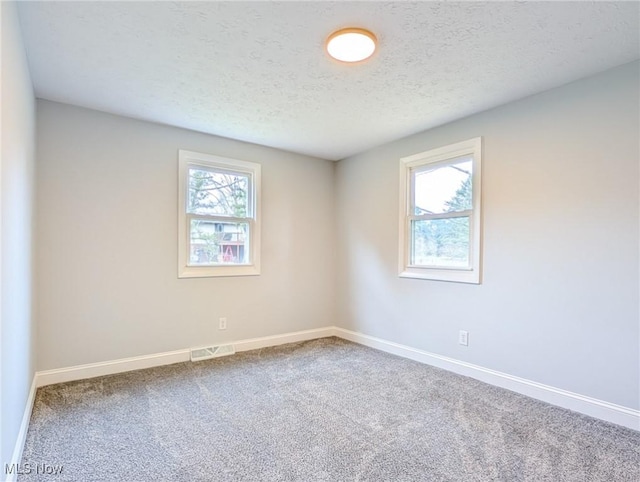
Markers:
(207, 352)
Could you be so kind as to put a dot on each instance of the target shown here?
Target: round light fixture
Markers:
(351, 44)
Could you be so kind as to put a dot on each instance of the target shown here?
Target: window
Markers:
(219, 216)
(440, 213)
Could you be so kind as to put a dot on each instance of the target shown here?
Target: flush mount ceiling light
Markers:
(351, 44)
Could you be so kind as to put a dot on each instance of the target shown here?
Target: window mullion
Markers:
(218, 219)
(454, 214)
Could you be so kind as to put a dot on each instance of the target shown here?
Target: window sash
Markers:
(432, 166)
(411, 217)
(223, 170)
(221, 219)
(410, 237)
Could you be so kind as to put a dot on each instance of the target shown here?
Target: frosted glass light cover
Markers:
(351, 45)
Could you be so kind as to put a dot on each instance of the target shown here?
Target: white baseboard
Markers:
(266, 341)
(593, 407)
(16, 458)
(91, 370)
(573, 401)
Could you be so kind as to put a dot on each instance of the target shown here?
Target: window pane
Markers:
(443, 190)
(221, 193)
(213, 242)
(440, 242)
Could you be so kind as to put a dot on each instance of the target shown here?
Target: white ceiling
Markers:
(258, 72)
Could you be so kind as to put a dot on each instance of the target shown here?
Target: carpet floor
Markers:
(323, 410)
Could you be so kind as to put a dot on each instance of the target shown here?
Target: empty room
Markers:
(320, 241)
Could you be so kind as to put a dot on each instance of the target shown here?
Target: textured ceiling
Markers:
(258, 72)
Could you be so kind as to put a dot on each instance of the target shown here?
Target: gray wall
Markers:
(559, 301)
(17, 332)
(107, 254)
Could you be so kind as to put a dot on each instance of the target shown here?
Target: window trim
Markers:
(187, 159)
(436, 158)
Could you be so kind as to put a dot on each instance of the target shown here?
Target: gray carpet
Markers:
(324, 410)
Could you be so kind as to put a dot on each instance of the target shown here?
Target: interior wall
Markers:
(17, 333)
(559, 301)
(107, 212)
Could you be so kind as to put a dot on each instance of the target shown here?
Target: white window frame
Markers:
(187, 159)
(433, 159)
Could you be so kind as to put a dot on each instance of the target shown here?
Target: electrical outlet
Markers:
(223, 324)
(463, 338)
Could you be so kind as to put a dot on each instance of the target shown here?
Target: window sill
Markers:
(450, 275)
(218, 271)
